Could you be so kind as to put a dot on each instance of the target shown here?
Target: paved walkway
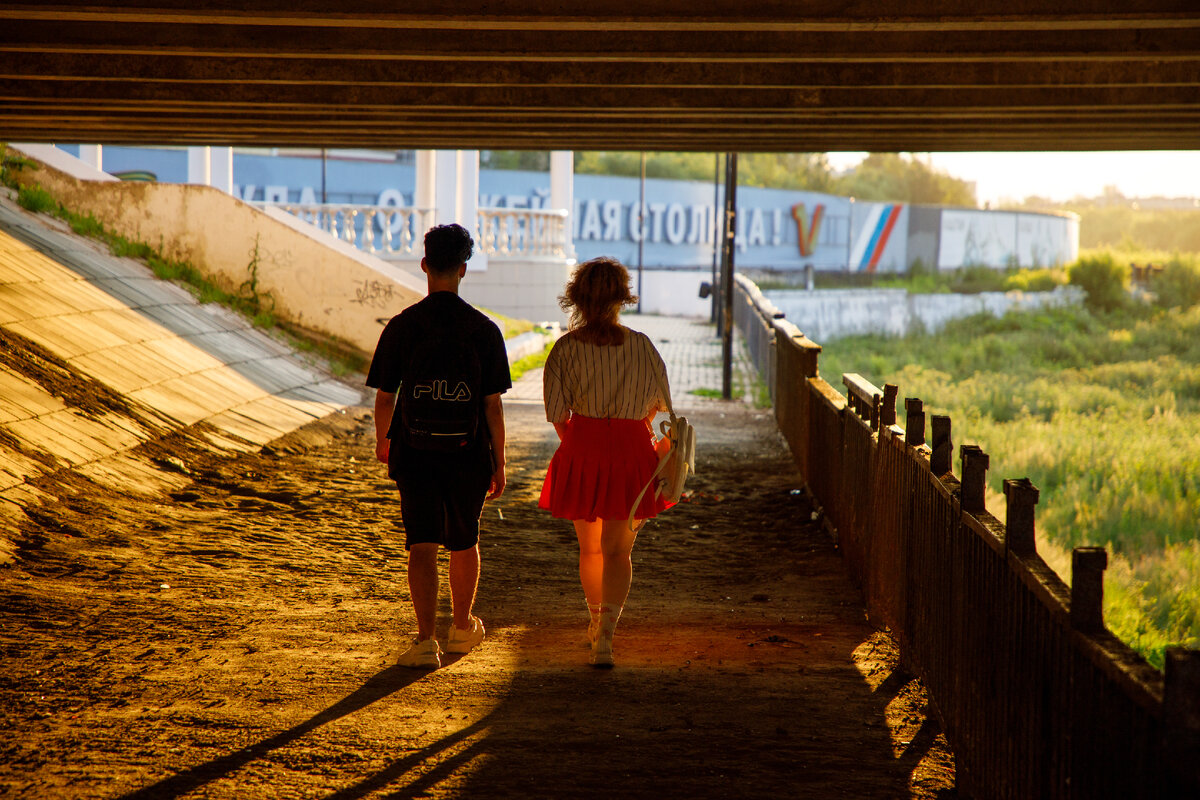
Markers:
(692, 352)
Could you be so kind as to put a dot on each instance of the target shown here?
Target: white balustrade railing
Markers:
(396, 232)
(523, 232)
(385, 231)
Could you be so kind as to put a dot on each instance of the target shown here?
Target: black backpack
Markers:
(441, 391)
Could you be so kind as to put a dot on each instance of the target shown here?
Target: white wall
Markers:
(673, 293)
(828, 314)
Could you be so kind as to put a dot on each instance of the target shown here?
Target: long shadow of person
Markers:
(379, 686)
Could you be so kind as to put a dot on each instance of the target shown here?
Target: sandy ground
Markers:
(230, 631)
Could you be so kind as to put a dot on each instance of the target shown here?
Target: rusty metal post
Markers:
(914, 421)
(1022, 496)
(1181, 721)
(943, 446)
(974, 477)
(887, 411)
(1087, 588)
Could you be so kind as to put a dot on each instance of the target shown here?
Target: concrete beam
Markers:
(672, 74)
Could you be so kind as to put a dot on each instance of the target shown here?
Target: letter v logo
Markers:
(806, 234)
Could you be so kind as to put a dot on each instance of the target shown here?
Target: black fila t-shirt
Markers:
(439, 314)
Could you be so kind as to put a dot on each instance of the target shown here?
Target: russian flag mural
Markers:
(877, 244)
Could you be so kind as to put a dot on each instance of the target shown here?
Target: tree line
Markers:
(1129, 225)
(884, 177)
(1113, 221)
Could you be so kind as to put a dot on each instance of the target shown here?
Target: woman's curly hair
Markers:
(594, 297)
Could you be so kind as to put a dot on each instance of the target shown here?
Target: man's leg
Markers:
(423, 587)
(464, 581)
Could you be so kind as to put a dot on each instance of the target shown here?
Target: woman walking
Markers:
(603, 384)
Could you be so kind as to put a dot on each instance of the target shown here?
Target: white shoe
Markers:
(601, 653)
(422, 655)
(593, 630)
(461, 641)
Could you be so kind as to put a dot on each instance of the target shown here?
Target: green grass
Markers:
(1100, 411)
(532, 361)
(704, 391)
(36, 199)
(509, 326)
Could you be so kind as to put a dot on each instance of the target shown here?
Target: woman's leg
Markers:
(616, 545)
(591, 571)
(591, 560)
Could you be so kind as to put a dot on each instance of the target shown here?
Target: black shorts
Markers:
(442, 509)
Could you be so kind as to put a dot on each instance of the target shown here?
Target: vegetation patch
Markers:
(1099, 408)
(529, 362)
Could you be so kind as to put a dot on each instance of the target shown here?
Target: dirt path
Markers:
(237, 639)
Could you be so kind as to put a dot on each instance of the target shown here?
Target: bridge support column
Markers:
(447, 181)
(92, 155)
(562, 191)
(199, 165)
(221, 169)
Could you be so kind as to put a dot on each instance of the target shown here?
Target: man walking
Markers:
(439, 370)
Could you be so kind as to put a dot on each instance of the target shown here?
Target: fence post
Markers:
(943, 446)
(1087, 588)
(805, 352)
(887, 411)
(974, 475)
(1181, 720)
(914, 422)
(1019, 536)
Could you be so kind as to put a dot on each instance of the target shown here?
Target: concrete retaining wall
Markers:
(828, 314)
(315, 280)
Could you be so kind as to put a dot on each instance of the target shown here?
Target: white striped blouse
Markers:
(625, 381)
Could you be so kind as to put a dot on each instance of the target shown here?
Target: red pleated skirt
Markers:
(599, 468)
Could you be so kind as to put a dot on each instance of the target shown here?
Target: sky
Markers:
(1062, 176)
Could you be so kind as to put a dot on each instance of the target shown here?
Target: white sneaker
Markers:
(602, 654)
(461, 641)
(422, 655)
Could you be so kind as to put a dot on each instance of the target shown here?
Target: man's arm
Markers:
(385, 406)
(493, 410)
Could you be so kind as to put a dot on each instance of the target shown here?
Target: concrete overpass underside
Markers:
(774, 75)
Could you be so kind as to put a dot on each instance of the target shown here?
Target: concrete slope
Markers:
(99, 358)
(313, 280)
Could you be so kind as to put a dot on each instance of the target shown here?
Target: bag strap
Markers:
(662, 461)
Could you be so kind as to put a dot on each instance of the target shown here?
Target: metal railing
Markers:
(396, 232)
(1038, 699)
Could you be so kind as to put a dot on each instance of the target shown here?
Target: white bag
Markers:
(675, 463)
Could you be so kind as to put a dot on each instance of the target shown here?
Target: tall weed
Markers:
(1100, 411)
